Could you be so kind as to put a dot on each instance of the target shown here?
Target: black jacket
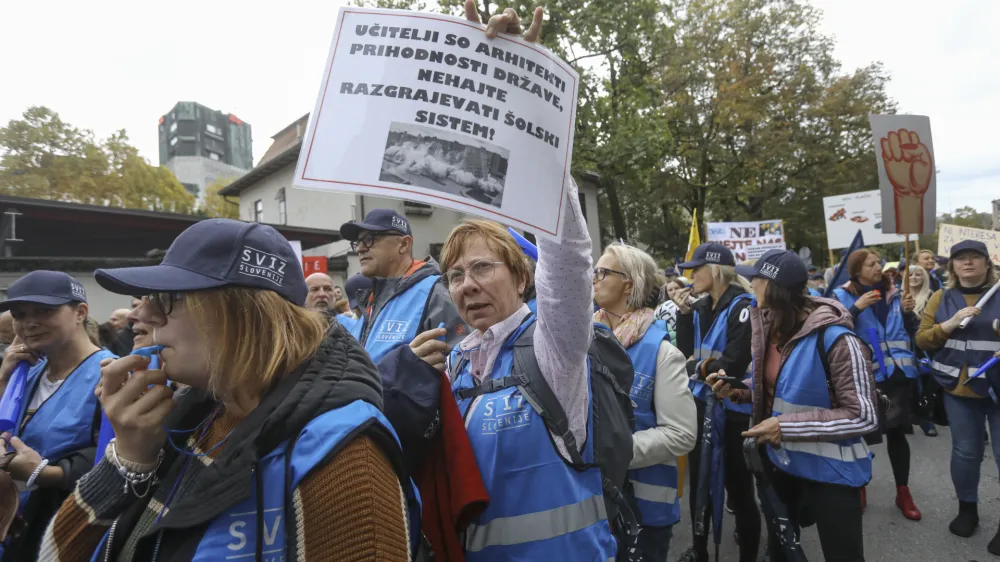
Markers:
(736, 356)
(339, 373)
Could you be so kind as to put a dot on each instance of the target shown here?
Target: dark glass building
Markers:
(197, 142)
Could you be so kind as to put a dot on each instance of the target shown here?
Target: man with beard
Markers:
(321, 292)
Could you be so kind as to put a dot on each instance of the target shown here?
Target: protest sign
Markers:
(748, 240)
(297, 248)
(313, 264)
(846, 214)
(425, 107)
(904, 153)
(951, 234)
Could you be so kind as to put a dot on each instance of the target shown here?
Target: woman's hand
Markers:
(429, 348)
(868, 299)
(681, 299)
(766, 432)
(26, 460)
(908, 302)
(722, 389)
(16, 352)
(952, 323)
(506, 22)
(135, 409)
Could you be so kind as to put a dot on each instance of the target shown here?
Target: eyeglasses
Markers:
(368, 239)
(601, 272)
(481, 272)
(164, 301)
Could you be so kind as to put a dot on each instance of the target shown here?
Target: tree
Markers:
(41, 156)
(964, 216)
(216, 205)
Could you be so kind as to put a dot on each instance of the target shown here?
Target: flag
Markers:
(694, 240)
(840, 275)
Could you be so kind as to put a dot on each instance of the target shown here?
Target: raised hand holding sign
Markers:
(905, 158)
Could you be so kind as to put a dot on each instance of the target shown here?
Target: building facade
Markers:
(200, 145)
(266, 194)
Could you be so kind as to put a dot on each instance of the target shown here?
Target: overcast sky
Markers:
(112, 64)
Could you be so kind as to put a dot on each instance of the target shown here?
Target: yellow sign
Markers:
(951, 234)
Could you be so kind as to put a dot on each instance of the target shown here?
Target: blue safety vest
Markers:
(712, 346)
(348, 322)
(801, 387)
(967, 347)
(813, 292)
(655, 486)
(65, 422)
(892, 336)
(398, 322)
(541, 509)
(233, 534)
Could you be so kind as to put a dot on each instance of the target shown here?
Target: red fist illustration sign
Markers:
(909, 166)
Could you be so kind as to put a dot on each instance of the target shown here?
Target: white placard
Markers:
(951, 234)
(748, 240)
(297, 248)
(904, 152)
(846, 214)
(425, 107)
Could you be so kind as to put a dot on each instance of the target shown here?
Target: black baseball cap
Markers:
(782, 267)
(356, 283)
(970, 246)
(217, 253)
(709, 253)
(50, 288)
(378, 220)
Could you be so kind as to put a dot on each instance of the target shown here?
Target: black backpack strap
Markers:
(492, 385)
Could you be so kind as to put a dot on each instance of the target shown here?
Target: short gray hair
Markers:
(641, 270)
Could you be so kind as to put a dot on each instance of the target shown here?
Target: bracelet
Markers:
(34, 474)
(134, 478)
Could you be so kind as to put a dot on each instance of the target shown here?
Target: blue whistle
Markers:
(108, 432)
(444, 337)
(147, 351)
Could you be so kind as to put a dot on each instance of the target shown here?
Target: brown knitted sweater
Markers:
(357, 495)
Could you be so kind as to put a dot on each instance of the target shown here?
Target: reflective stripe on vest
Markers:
(712, 345)
(893, 339)
(398, 322)
(968, 347)
(655, 486)
(802, 386)
(540, 507)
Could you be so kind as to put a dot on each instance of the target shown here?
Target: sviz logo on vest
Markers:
(642, 387)
(505, 412)
(392, 330)
(262, 265)
(77, 291)
(769, 270)
(400, 224)
(240, 545)
(714, 257)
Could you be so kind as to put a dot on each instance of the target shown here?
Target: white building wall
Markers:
(101, 302)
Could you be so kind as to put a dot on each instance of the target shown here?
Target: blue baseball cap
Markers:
(782, 267)
(50, 288)
(217, 253)
(970, 246)
(377, 220)
(670, 271)
(355, 284)
(709, 253)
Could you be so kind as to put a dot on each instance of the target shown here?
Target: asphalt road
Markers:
(888, 535)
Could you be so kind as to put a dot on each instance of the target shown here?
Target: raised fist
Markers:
(908, 163)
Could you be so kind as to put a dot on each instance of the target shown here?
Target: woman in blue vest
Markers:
(813, 399)
(625, 283)
(277, 439)
(884, 318)
(955, 351)
(714, 333)
(54, 433)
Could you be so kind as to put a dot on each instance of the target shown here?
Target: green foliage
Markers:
(43, 157)
(217, 206)
(965, 216)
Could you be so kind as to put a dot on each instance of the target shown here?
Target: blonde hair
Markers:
(255, 338)
(496, 238)
(726, 275)
(641, 270)
(924, 294)
(93, 331)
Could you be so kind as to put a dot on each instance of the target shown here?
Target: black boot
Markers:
(994, 546)
(966, 522)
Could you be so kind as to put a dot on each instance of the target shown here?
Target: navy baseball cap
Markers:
(355, 284)
(970, 246)
(709, 253)
(217, 253)
(378, 220)
(782, 267)
(670, 271)
(50, 288)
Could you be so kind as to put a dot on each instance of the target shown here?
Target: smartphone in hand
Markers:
(734, 382)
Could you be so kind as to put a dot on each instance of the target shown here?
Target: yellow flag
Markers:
(694, 240)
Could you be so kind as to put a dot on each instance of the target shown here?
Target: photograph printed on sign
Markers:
(443, 161)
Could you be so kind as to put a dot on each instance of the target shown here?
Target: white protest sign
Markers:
(846, 214)
(951, 234)
(426, 108)
(748, 240)
(904, 153)
(297, 248)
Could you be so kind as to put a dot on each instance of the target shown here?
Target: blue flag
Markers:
(840, 275)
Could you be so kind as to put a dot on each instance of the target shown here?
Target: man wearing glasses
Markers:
(408, 296)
